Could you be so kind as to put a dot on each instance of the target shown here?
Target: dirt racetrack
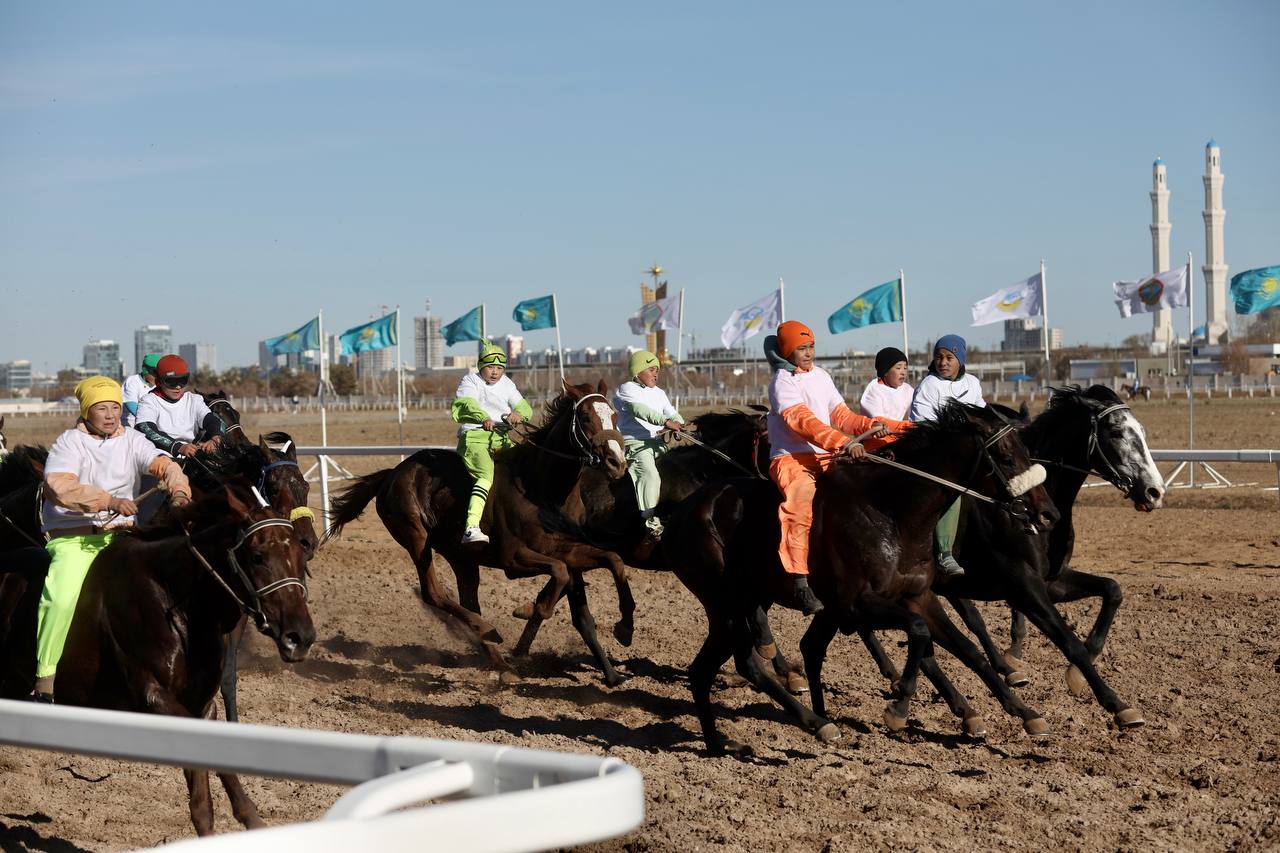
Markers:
(1193, 647)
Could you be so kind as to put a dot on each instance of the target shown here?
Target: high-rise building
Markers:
(1162, 317)
(102, 358)
(1026, 334)
(428, 343)
(1215, 259)
(200, 356)
(151, 339)
(513, 346)
(16, 375)
(267, 360)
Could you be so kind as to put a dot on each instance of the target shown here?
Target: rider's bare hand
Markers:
(122, 506)
(673, 425)
(187, 450)
(514, 418)
(487, 425)
(211, 445)
(854, 450)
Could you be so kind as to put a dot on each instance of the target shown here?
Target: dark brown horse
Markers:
(150, 625)
(423, 501)
(872, 562)
(21, 476)
(220, 404)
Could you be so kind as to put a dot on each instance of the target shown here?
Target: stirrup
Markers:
(805, 601)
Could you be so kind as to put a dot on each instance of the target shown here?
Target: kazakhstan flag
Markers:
(881, 304)
(299, 340)
(468, 327)
(379, 334)
(1254, 290)
(538, 313)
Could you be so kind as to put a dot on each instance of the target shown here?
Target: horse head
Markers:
(592, 426)
(263, 563)
(283, 484)
(220, 404)
(1011, 476)
(1117, 447)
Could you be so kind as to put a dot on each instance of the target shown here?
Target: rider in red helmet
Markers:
(171, 416)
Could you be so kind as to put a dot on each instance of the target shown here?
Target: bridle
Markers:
(683, 435)
(1107, 470)
(251, 603)
(580, 439)
(227, 428)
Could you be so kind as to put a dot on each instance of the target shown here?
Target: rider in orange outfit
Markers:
(810, 426)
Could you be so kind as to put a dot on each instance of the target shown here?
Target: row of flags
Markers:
(376, 334)
(536, 313)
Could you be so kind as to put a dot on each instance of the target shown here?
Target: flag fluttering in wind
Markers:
(536, 313)
(1169, 289)
(749, 320)
(880, 304)
(660, 315)
(468, 327)
(1021, 300)
(1255, 290)
(299, 340)
(378, 334)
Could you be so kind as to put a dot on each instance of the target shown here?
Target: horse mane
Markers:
(552, 411)
(20, 466)
(207, 510)
(952, 419)
(1064, 404)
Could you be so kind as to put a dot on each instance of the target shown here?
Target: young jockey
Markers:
(809, 427)
(136, 385)
(643, 412)
(90, 484)
(889, 394)
(947, 380)
(170, 416)
(484, 400)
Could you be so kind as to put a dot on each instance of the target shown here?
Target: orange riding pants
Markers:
(797, 476)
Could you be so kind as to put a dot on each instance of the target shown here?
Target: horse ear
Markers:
(602, 389)
(1024, 411)
(239, 508)
(265, 449)
(569, 390)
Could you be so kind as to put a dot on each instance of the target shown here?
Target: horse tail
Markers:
(348, 506)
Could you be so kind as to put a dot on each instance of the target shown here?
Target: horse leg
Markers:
(467, 575)
(791, 675)
(716, 649)
(434, 594)
(970, 722)
(199, 802)
(951, 638)
(1035, 603)
(1017, 636)
(624, 628)
(243, 808)
(231, 651)
(972, 620)
(1072, 585)
(878, 654)
(813, 648)
(586, 625)
(749, 668)
(531, 562)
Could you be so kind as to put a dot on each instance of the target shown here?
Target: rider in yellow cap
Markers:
(643, 412)
(485, 401)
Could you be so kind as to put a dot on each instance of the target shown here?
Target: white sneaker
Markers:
(473, 536)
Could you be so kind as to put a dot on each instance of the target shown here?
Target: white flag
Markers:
(660, 315)
(1166, 290)
(1024, 299)
(749, 320)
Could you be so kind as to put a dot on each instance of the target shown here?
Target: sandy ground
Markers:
(1193, 647)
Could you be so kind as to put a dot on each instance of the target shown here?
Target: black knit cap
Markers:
(887, 358)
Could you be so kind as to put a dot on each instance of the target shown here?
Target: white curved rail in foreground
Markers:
(501, 798)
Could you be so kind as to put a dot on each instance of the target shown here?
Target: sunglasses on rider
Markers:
(175, 381)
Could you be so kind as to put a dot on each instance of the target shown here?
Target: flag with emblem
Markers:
(299, 340)
(378, 334)
(1021, 300)
(750, 320)
(1255, 290)
(880, 304)
(536, 313)
(660, 315)
(468, 327)
(1169, 289)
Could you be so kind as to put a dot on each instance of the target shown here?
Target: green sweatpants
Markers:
(944, 535)
(476, 446)
(642, 465)
(70, 558)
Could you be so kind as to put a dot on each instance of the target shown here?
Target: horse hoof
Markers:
(1129, 718)
(613, 679)
(524, 611)
(829, 733)
(974, 727)
(893, 721)
(1014, 662)
(508, 676)
(623, 633)
(1017, 678)
(797, 684)
(729, 746)
(1076, 682)
(1036, 727)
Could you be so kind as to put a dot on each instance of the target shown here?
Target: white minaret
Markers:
(1162, 318)
(1215, 267)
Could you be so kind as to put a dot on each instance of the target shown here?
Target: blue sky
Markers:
(231, 169)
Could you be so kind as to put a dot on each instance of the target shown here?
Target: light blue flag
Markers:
(468, 327)
(538, 313)
(299, 340)
(1255, 290)
(880, 304)
(379, 334)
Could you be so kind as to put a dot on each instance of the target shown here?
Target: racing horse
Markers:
(150, 625)
(422, 502)
(1135, 391)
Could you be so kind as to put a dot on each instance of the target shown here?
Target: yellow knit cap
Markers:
(640, 361)
(97, 389)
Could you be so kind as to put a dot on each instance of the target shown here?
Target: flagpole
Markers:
(555, 310)
(679, 342)
(1191, 373)
(902, 300)
(484, 328)
(1044, 311)
(324, 424)
(782, 301)
(399, 382)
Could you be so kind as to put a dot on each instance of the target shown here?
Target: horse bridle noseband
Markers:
(251, 604)
(1112, 474)
(227, 429)
(584, 446)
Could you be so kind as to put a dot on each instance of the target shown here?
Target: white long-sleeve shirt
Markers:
(631, 422)
(115, 465)
(180, 421)
(497, 399)
(881, 401)
(133, 390)
(934, 391)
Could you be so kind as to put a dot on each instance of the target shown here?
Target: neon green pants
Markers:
(476, 446)
(70, 558)
(642, 465)
(944, 535)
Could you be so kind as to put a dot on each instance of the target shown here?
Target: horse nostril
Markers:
(1153, 494)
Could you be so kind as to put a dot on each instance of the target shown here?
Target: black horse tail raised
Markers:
(348, 506)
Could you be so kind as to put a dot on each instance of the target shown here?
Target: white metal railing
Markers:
(502, 798)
